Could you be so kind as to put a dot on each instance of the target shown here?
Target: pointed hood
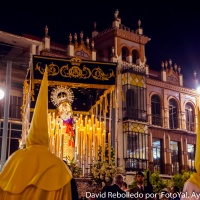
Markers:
(195, 178)
(197, 154)
(38, 132)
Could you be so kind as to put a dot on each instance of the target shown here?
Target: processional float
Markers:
(74, 132)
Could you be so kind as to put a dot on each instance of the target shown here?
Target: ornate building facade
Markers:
(155, 117)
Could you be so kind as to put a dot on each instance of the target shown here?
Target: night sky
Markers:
(174, 28)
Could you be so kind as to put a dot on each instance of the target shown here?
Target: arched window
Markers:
(189, 117)
(124, 53)
(173, 114)
(156, 110)
(135, 57)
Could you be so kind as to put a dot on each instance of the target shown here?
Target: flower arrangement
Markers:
(103, 171)
(75, 169)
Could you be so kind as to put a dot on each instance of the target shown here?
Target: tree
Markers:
(180, 179)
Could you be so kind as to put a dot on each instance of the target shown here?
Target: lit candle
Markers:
(93, 132)
(57, 127)
(103, 148)
(85, 120)
(55, 143)
(90, 143)
(62, 145)
(96, 147)
(92, 120)
(49, 123)
(77, 139)
(51, 140)
(84, 140)
(87, 147)
(109, 148)
(81, 118)
(52, 125)
(104, 141)
(97, 123)
(80, 143)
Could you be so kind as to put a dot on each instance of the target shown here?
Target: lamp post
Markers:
(6, 113)
(198, 89)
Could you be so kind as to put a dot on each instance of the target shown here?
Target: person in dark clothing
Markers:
(74, 189)
(140, 191)
(174, 193)
(113, 191)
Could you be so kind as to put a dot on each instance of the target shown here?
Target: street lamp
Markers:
(2, 94)
(198, 89)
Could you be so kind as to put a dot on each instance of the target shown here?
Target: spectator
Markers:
(140, 188)
(174, 193)
(114, 191)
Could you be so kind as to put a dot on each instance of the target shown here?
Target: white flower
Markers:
(103, 171)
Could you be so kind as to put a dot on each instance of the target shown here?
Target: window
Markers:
(175, 157)
(124, 53)
(156, 110)
(189, 116)
(134, 107)
(135, 57)
(191, 157)
(136, 152)
(130, 98)
(13, 136)
(15, 107)
(173, 114)
(157, 155)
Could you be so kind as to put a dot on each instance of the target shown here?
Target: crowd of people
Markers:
(120, 190)
(141, 190)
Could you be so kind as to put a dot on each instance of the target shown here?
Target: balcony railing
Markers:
(134, 114)
(157, 120)
(134, 164)
(190, 126)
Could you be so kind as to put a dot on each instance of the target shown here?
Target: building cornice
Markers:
(127, 35)
(132, 36)
(171, 87)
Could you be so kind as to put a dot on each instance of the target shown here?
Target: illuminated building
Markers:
(154, 119)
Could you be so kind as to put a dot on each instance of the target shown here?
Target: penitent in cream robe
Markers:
(34, 173)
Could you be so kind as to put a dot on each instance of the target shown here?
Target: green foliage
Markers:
(180, 179)
(158, 183)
